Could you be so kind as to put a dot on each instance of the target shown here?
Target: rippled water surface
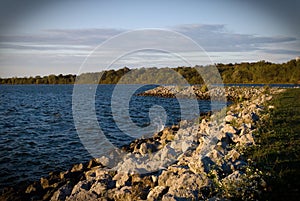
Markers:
(37, 132)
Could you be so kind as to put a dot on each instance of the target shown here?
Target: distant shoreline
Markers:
(261, 72)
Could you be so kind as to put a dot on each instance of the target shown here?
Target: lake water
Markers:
(38, 135)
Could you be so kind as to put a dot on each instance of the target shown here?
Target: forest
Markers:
(261, 72)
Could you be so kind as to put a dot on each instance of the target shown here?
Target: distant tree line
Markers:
(261, 72)
(256, 72)
(50, 79)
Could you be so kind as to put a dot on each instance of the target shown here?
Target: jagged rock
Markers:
(81, 192)
(167, 178)
(105, 161)
(122, 179)
(94, 162)
(143, 148)
(246, 139)
(232, 138)
(156, 193)
(169, 197)
(239, 165)
(254, 116)
(147, 148)
(229, 129)
(195, 165)
(232, 155)
(215, 198)
(99, 188)
(154, 178)
(83, 195)
(77, 167)
(186, 186)
(124, 194)
(236, 175)
(44, 183)
(81, 185)
(32, 188)
(62, 193)
(190, 181)
(229, 118)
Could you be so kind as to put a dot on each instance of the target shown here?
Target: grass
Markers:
(278, 150)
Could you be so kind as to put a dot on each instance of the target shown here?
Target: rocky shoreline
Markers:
(202, 92)
(191, 161)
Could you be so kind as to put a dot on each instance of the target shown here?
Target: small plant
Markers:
(204, 88)
(266, 89)
(234, 123)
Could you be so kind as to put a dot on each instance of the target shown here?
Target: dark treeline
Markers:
(256, 72)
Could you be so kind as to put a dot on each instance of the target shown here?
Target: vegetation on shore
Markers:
(256, 72)
(278, 147)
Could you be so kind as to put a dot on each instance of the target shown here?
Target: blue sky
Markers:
(53, 37)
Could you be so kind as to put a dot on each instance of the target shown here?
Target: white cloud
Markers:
(215, 38)
(63, 50)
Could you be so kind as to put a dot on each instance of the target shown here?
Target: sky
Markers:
(39, 37)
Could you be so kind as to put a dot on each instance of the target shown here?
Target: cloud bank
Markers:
(63, 50)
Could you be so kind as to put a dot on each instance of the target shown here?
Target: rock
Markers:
(99, 188)
(195, 165)
(215, 155)
(136, 178)
(147, 148)
(143, 149)
(233, 176)
(227, 167)
(167, 178)
(154, 178)
(81, 185)
(106, 162)
(180, 193)
(44, 183)
(122, 179)
(246, 139)
(254, 117)
(62, 193)
(232, 138)
(229, 118)
(249, 118)
(156, 193)
(124, 194)
(271, 107)
(215, 198)
(81, 192)
(186, 186)
(190, 181)
(82, 195)
(229, 129)
(208, 164)
(127, 165)
(185, 145)
(94, 162)
(268, 98)
(77, 167)
(32, 188)
(253, 106)
(169, 197)
(239, 165)
(232, 155)
(168, 153)
(167, 135)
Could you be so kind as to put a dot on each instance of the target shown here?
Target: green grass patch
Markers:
(278, 150)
